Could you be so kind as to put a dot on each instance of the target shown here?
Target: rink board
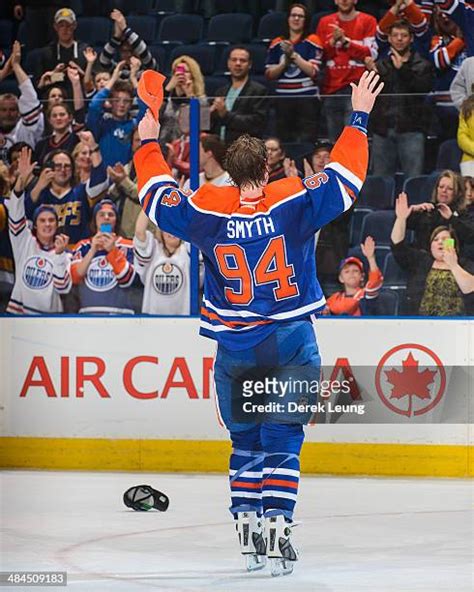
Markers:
(137, 394)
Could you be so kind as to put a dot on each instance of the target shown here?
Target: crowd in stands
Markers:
(73, 237)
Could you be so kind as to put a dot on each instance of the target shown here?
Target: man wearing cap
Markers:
(57, 55)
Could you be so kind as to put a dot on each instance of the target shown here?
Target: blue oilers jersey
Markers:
(462, 13)
(258, 254)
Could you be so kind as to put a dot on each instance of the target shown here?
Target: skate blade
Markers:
(255, 562)
(281, 567)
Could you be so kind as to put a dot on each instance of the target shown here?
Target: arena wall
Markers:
(137, 394)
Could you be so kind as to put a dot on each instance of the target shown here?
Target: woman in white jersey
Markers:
(163, 263)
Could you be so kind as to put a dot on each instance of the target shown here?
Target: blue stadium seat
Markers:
(258, 54)
(385, 305)
(94, 30)
(393, 274)
(32, 60)
(379, 226)
(381, 254)
(76, 6)
(317, 17)
(9, 85)
(203, 54)
(449, 156)
(144, 26)
(377, 193)
(419, 189)
(159, 53)
(213, 83)
(6, 33)
(297, 150)
(271, 25)
(138, 7)
(230, 28)
(183, 28)
(357, 219)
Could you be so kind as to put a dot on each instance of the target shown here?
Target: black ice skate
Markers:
(280, 551)
(252, 544)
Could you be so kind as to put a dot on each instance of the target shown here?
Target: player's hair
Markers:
(196, 74)
(212, 143)
(452, 234)
(241, 48)
(401, 24)
(307, 20)
(458, 186)
(246, 161)
(122, 86)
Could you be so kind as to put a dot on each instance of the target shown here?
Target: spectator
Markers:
(42, 265)
(348, 38)
(447, 54)
(102, 265)
(82, 162)
(7, 275)
(21, 120)
(320, 157)
(447, 208)
(354, 299)
(124, 191)
(64, 51)
(462, 14)
(186, 81)
(94, 80)
(211, 159)
(463, 84)
(469, 192)
(54, 96)
(240, 106)
(435, 287)
(72, 202)
(114, 130)
(129, 45)
(464, 279)
(62, 137)
(466, 137)
(279, 166)
(409, 11)
(163, 264)
(397, 123)
(294, 61)
(13, 156)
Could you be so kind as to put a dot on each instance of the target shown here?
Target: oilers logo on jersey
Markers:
(167, 279)
(37, 273)
(100, 276)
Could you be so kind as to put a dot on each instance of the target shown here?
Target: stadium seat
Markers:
(230, 28)
(419, 189)
(393, 274)
(6, 33)
(159, 53)
(138, 7)
(377, 193)
(203, 54)
(94, 30)
(379, 226)
(183, 28)
(9, 85)
(144, 26)
(32, 60)
(381, 254)
(258, 53)
(213, 83)
(317, 17)
(297, 150)
(271, 25)
(449, 156)
(385, 305)
(357, 219)
(76, 6)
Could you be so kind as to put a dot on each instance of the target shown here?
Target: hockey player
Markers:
(41, 263)
(260, 289)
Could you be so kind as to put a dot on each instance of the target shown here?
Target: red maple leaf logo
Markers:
(410, 382)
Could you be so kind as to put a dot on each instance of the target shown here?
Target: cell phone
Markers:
(106, 227)
(180, 70)
(448, 243)
(57, 77)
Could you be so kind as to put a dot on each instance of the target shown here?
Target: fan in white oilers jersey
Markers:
(163, 264)
(42, 264)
